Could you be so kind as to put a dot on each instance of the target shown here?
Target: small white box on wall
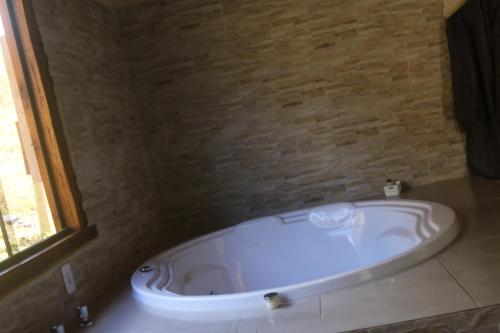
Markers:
(393, 188)
(69, 280)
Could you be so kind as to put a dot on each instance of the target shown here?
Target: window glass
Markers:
(26, 217)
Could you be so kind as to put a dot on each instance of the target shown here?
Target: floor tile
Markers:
(121, 313)
(479, 221)
(475, 264)
(309, 326)
(299, 310)
(247, 329)
(412, 294)
(211, 327)
(457, 192)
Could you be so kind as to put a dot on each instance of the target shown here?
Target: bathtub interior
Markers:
(289, 249)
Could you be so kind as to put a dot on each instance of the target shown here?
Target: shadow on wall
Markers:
(447, 87)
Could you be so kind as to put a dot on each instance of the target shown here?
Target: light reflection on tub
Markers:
(297, 254)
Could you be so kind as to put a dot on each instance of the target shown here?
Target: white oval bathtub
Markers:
(296, 254)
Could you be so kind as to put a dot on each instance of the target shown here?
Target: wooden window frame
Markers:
(36, 91)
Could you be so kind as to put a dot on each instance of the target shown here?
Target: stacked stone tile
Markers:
(257, 107)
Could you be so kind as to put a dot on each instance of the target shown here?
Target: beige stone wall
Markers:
(261, 106)
(106, 142)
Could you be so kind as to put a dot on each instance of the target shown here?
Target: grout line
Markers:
(458, 282)
(486, 201)
(238, 326)
(478, 239)
(321, 314)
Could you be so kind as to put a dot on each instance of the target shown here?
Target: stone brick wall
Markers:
(260, 106)
(106, 141)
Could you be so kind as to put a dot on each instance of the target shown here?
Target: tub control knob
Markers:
(83, 314)
(273, 300)
(145, 269)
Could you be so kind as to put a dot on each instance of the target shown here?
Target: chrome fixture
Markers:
(83, 314)
(58, 329)
(145, 269)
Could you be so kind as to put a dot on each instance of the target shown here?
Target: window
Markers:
(26, 217)
(41, 218)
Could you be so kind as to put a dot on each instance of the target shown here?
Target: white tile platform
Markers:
(464, 276)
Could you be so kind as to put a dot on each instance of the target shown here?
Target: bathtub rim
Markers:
(380, 269)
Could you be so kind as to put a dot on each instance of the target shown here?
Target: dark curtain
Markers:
(474, 45)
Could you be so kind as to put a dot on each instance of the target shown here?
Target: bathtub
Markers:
(296, 254)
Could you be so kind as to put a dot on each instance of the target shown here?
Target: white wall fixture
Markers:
(393, 188)
(69, 280)
(296, 254)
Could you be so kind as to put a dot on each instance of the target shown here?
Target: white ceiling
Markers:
(119, 3)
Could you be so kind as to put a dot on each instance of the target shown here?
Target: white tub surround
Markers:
(297, 254)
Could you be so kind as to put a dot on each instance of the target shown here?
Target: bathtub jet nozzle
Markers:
(146, 269)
